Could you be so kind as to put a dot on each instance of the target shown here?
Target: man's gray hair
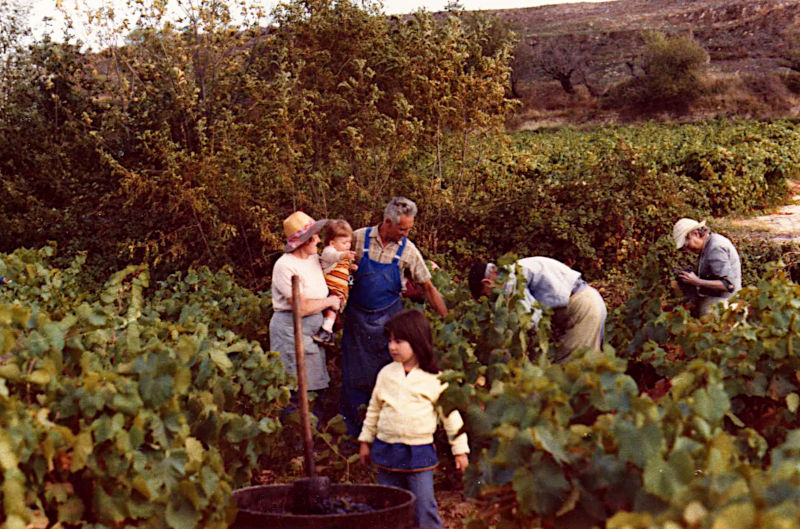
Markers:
(399, 207)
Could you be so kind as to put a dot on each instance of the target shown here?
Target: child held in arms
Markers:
(337, 263)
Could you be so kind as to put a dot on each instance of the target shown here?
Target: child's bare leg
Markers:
(330, 319)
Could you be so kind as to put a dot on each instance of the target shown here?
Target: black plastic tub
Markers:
(264, 507)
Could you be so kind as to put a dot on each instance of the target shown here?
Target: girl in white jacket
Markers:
(397, 435)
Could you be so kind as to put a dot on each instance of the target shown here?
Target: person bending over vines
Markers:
(718, 272)
(579, 309)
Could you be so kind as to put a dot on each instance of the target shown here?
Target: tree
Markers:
(497, 37)
(13, 29)
(197, 137)
(672, 70)
(561, 60)
(522, 66)
(49, 166)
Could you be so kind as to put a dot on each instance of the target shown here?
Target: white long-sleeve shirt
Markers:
(547, 281)
(329, 258)
(403, 409)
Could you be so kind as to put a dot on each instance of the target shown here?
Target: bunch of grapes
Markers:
(344, 505)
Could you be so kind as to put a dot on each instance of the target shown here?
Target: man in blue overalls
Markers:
(384, 253)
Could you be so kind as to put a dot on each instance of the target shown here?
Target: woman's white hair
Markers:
(399, 207)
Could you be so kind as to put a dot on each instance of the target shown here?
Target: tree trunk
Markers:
(514, 81)
(593, 90)
(566, 83)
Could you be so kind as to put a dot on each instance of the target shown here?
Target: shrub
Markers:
(121, 410)
(791, 80)
(671, 76)
(755, 342)
(188, 147)
(579, 445)
(769, 89)
(600, 200)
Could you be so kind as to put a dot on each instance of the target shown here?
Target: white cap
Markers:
(683, 228)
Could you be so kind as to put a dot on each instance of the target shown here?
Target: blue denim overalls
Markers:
(374, 299)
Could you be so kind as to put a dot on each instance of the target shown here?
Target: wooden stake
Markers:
(302, 380)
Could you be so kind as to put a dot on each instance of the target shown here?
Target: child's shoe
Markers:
(324, 337)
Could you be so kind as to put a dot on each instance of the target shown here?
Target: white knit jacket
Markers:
(403, 410)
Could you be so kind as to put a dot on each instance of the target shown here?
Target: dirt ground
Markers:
(453, 508)
(780, 225)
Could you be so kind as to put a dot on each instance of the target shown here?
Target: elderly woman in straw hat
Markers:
(301, 259)
(718, 272)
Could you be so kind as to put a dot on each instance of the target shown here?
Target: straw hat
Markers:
(299, 228)
(683, 228)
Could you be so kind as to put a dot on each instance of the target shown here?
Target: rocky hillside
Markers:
(733, 32)
(744, 39)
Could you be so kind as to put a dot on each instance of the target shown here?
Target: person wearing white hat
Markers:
(301, 259)
(718, 272)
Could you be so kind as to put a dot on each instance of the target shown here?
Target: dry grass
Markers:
(752, 95)
(761, 95)
(546, 105)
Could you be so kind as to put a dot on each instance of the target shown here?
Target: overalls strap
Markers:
(399, 253)
(366, 241)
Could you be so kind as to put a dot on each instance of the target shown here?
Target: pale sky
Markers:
(39, 9)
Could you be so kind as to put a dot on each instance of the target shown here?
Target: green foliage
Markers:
(579, 445)
(635, 322)
(334, 455)
(670, 76)
(48, 165)
(142, 403)
(755, 342)
(673, 68)
(759, 255)
(214, 299)
(188, 146)
(749, 497)
(640, 324)
(147, 407)
(744, 168)
(601, 200)
(125, 409)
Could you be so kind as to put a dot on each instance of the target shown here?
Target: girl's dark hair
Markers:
(412, 326)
